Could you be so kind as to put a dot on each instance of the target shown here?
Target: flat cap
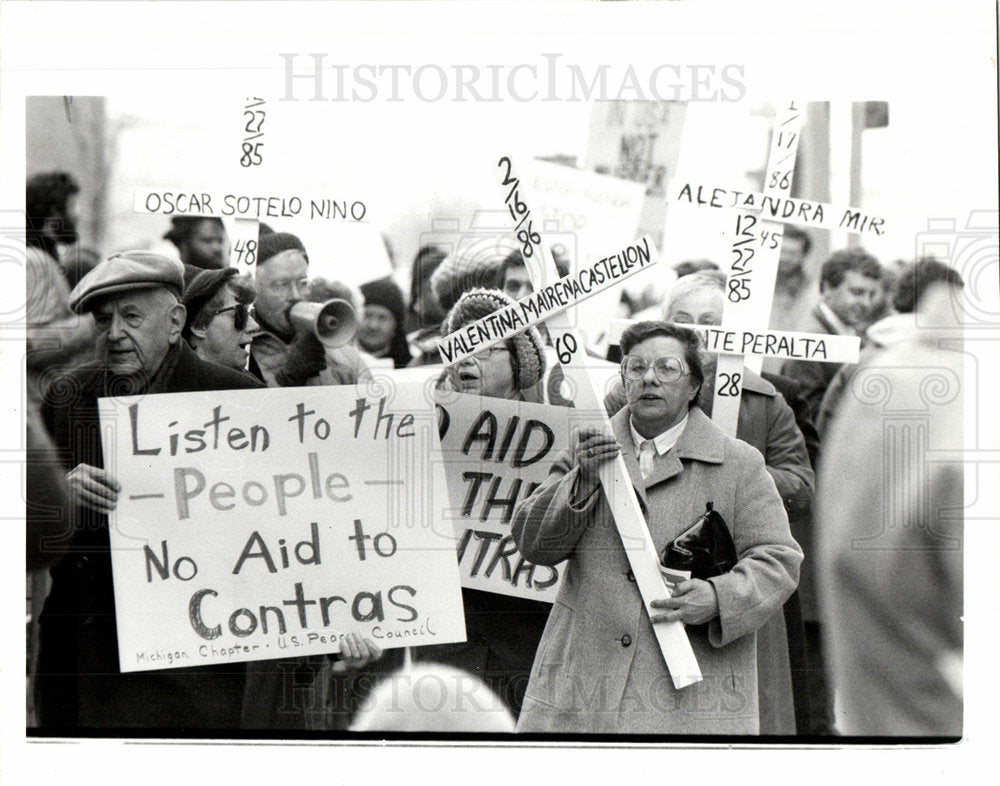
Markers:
(126, 271)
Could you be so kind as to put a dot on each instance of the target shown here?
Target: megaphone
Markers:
(334, 322)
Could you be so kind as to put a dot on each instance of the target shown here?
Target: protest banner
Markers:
(496, 452)
(269, 523)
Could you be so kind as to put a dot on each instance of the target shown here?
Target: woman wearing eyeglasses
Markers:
(502, 631)
(599, 668)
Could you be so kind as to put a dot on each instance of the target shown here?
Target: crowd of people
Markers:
(802, 616)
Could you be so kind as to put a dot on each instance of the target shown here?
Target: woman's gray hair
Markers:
(705, 279)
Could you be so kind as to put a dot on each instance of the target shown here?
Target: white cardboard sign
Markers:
(258, 524)
(496, 453)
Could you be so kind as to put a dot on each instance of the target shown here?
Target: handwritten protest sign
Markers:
(756, 244)
(778, 208)
(251, 205)
(496, 453)
(549, 301)
(783, 344)
(262, 524)
(592, 207)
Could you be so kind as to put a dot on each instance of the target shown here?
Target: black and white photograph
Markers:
(497, 379)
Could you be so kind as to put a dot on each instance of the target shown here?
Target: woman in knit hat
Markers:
(502, 631)
(382, 333)
(506, 370)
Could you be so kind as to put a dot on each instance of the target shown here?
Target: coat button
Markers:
(626, 640)
(630, 575)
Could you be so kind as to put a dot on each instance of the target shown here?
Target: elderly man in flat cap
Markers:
(134, 300)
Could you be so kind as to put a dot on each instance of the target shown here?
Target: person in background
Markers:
(912, 282)
(201, 241)
(689, 266)
(56, 339)
(645, 309)
(381, 333)
(471, 265)
(133, 298)
(424, 314)
(599, 668)
(220, 320)
(77, 262)
(849, 286)
(515, 282)
(890, 521)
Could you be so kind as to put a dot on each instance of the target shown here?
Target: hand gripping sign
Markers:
(549, 303)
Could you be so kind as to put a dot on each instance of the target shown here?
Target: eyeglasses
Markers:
(666, 369)
(486, 354)
(242, 312)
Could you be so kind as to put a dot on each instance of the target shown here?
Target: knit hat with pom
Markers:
(472, 264)
(526, 347)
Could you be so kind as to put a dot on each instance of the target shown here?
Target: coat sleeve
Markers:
(767, 571)
(547, 525)
(787, 458)
(813, 378)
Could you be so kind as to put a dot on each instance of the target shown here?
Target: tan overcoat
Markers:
(598, 668)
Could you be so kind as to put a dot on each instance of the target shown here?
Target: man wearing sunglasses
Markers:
(220, 323)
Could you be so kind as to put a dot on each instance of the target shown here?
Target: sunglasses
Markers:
(242, 312)
(666, 369)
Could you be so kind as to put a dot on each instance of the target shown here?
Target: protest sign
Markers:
(592, 207)
(496, 453)
(263, 524)
(783, 344)
(550, 301)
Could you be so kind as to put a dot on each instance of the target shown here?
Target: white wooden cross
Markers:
(242, 201)
(756, 244)
(587, 395)
(241, 206)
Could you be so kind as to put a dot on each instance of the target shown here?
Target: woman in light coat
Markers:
(599, 668)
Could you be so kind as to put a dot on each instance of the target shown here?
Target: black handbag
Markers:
(705, 548)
